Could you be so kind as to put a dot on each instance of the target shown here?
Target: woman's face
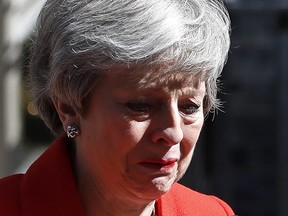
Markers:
(138, 135)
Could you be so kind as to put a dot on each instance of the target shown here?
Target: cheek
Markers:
(137, 130)
(187, 147)
(191, 134)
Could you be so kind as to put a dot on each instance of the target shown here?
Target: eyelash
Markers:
(143, 107)
(139, 107)
(189, 108)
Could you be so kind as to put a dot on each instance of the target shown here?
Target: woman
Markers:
(130, 82)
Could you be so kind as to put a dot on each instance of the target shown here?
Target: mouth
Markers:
(159, 164)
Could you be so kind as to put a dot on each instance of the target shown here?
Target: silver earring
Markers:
(72, 131)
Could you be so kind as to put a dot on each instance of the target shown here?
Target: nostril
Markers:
(161, 140)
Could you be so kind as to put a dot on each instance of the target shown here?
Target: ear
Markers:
(66, 113)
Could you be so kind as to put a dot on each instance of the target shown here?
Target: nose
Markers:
(167, 126)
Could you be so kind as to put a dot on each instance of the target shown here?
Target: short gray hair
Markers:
(77, 41)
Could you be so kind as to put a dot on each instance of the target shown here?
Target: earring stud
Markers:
(72, 131)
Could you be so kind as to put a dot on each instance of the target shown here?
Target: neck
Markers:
(97, 200)
(98, 204)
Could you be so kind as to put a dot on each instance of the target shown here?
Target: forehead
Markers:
(155, 78)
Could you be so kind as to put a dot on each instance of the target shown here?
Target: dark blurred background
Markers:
(243, 152)
(242, 155)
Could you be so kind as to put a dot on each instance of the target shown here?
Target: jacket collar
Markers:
(48, 187)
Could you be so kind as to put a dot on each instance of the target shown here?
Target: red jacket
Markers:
(48, 189)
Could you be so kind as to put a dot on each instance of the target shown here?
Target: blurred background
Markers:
(242, 155)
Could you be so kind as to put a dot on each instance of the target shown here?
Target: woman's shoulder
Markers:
(10, 195)
(182, 200)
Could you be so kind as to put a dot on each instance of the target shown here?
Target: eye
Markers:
(189, 108)
(139, 107)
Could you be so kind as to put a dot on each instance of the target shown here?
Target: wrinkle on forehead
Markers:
(158, 78)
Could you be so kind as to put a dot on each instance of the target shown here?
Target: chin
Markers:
(163, 185)
(156, 188)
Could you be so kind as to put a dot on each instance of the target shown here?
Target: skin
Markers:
(137, 139)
